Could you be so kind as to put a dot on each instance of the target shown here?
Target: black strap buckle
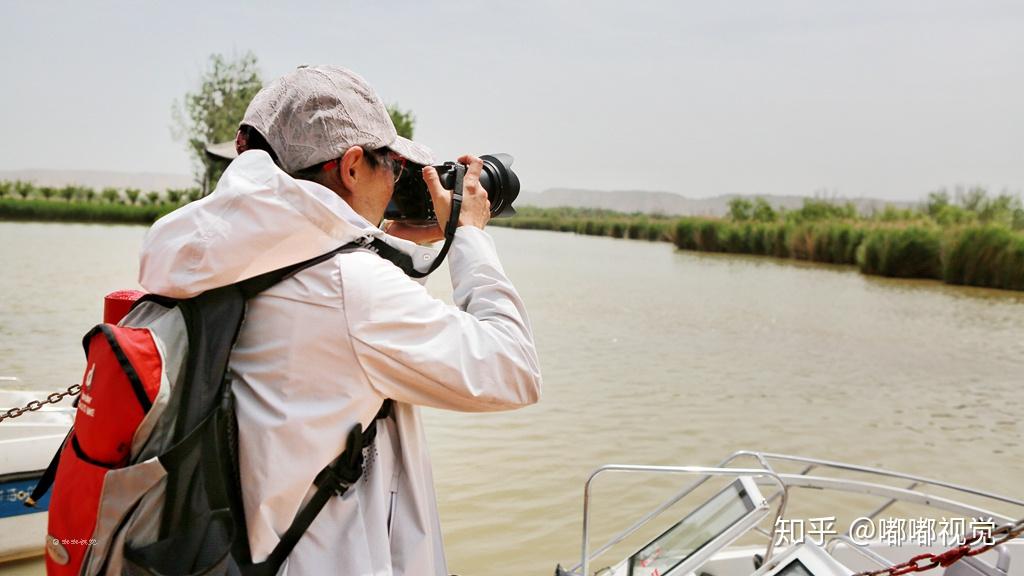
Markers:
(345, 470)
(335, 479)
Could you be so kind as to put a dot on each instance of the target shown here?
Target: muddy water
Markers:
(650, 356)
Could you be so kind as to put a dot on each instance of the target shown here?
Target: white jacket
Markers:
(320, 351)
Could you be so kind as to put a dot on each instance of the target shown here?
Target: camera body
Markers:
(411, 201)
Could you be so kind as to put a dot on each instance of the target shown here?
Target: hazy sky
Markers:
(883, 98)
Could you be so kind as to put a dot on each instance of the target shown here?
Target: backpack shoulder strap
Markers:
(335, 479)
(212, 321)
(257, 284)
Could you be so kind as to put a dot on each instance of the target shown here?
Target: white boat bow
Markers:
(27, 444)
(758, 501)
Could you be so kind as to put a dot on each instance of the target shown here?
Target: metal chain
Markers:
(34, 405)
(984, 542)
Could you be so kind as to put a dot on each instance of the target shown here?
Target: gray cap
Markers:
(315, 113)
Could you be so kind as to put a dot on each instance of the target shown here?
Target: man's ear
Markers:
(241, 142)
(352, 167)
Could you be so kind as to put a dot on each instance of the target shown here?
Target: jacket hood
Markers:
(258, 219)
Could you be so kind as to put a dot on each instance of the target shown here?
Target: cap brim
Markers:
(225, 150)
(412, 151)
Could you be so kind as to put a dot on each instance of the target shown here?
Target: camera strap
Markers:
(403, 260)
(449, 229)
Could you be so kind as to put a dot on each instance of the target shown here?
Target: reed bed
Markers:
(590, 223)
(20, 200)
(831, 243)
(970, 254)
(991, 256)
(977, 242)
(48, 210)
(902, 252)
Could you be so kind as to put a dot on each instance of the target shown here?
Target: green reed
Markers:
(911, 251)
(977, 251)
(990, 256)
(977, 255)
(50, 210)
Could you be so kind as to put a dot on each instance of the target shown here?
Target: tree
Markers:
(110, 195)
(47, 192)
(740, 209)
(763, 211)
(404, 121)
(213, 112)
(815, 209)
(937, 201)
(67, 193)
(22, 188)
(132, 194)
(153, 197)
(6, 188)
(999, 209)
(973, 199)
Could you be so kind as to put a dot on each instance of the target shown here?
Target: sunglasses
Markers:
(394, 161)
(397, 163)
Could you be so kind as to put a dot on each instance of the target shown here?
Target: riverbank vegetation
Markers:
(969, 237)
(24, 201)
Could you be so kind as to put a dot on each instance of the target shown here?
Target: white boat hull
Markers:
(27, 444)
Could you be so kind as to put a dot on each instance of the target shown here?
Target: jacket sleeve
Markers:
(476, 356)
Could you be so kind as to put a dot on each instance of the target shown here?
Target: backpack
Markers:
(147, 480)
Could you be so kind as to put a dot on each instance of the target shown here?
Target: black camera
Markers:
(411, 201)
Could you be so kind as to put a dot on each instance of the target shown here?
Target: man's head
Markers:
(326, 124)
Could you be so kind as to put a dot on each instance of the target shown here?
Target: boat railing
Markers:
(918, 484)
(918, 491)
(758, 474)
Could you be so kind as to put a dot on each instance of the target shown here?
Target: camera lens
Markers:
(501, 183)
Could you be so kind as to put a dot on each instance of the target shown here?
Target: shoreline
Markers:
(980, 254)
(82, 212)
(976, 254)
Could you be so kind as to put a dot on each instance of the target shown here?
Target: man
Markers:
(322, 350)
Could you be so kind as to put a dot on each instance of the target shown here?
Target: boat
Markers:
(958, 529)
(712, 537)
(27, 444)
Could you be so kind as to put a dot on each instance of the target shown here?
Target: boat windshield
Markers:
(794, 568)
(693, 532)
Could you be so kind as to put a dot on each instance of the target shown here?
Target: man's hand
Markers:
(476, 208)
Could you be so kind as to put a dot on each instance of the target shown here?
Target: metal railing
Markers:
(766, 474)
(756, 473)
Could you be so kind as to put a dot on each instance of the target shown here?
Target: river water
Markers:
(650, 356)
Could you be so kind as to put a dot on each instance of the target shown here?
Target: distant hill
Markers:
(145, 181)
(670, 204)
